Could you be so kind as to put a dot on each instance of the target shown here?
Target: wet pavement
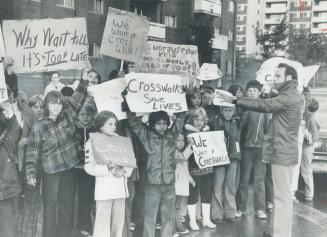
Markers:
(309, 219)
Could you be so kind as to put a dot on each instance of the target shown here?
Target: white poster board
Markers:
(209, 149)
(153, 92)
(125, 35)
(3, 86)
(46, 44)
(2, 46)
(107, 96)
(208, 72)
(160, 57)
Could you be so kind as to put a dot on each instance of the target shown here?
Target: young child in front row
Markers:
(183, 178)
(224, 204)
(202, 177)
(110, 185)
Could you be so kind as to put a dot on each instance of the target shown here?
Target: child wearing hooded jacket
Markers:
(224, 204)
(202, 177)
(110, 184)
(158, 139)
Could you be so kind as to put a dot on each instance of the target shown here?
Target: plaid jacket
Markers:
(53, 141)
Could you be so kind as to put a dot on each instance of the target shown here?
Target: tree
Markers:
(273, 40)
(202, 30)
(307, 48)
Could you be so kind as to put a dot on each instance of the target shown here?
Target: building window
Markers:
(66, 3)
(97, 6)
(171, 21)
(231, 6)
(94, 51)
(230, 35)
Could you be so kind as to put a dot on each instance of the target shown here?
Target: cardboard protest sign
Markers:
(107, 96)
(46, 44)
(208, 72)
(112, 150)
(3, 86)
(309, 73)
(160, 57)
(218, 100)
(125, 35)
(209, 149)
(154, 92)
(2, 46)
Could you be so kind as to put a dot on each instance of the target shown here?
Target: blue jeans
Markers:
(8, 217)
(252, 160)
(223, 200)
(155, 194)
(58, 196)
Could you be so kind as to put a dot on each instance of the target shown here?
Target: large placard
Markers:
(125, 35)
(3, 86)
(107, 96)
(209, 149)
(149, 92)
(46, 44)
(2, 46)
(113, 150)
(160, 57)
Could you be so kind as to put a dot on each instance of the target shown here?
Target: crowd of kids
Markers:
(49, 168)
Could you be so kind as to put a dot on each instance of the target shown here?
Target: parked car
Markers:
(320, 154)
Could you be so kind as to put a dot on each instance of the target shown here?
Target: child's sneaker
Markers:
(261, 214)
(270, 206)
(238, 214)
(132, 226)
(158, 227)
(175, 235)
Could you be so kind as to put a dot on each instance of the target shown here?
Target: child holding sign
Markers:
(224, 203)
(110, 185)
(202, 177)
(158, 139)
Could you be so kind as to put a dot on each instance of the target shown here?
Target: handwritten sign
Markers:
(3, 86)
(208, 72)
(107, 96)
(125, 35)
(161, 57)
(47, 44)
(112, 150)
(154, 92)
(2, 46)
(209, 149)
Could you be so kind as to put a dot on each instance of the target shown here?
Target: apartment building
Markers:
(319, 17)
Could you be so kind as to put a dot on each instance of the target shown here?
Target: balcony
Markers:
(319, 18)
(272, 21)
(276, 9)
(276, 1)
(157, 32)
(319, 8)
(211, 7)
(321, 29)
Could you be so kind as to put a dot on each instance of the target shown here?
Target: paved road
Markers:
(309, 220)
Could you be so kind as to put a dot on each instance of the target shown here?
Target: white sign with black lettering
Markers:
(209, 149)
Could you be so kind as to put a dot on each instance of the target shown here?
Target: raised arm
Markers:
(75, 103)
(177, 127)
(271, 105)
(34, 144)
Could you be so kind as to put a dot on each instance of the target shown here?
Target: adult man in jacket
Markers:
(280, 142)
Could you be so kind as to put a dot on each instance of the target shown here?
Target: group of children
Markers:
(58, 151)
